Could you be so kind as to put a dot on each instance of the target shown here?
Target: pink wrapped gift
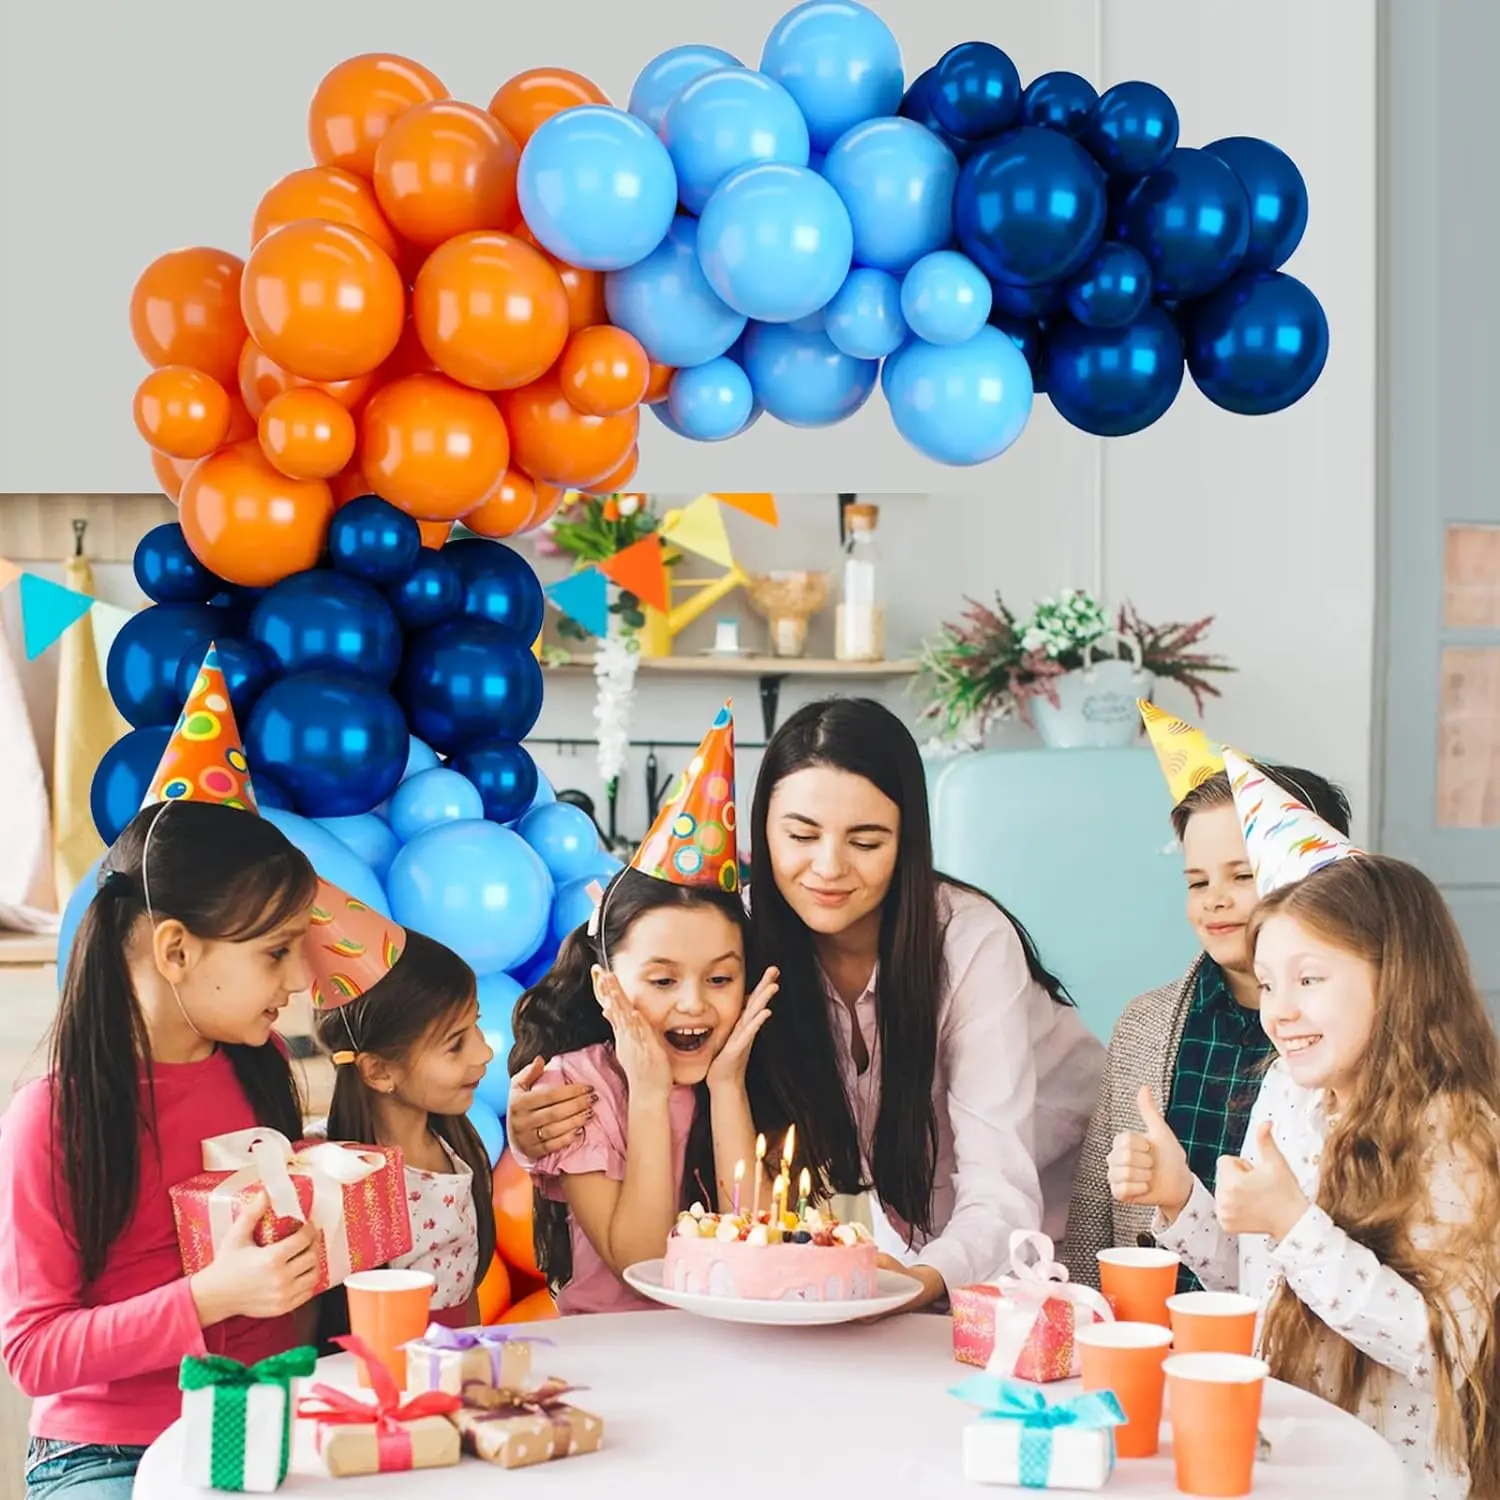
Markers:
(355, 1196)
(1023, 1326)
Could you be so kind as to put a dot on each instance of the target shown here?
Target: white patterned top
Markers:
(444, 1233)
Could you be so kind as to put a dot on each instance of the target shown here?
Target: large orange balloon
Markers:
(585, 289)
(494, 1292)
(511, 1198)
(182, 412)
(323, 300)
(435, 533)
(307, 434)
(490, 311)
(324, 193)
(444, 169)
(432, 447)
(554, 441)
(241, 423)
(356, 104)
(508, 510)
(250, 524)
(261, 379)
(170, 473)
(617, 479)
(185, 310)
(548, 498)
(659, 387)
(526, 102)
(349, 485)
(536, 1308)
(604, 371)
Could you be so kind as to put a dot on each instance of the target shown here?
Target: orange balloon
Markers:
(323, 300)
(356, 104)
(306, 434)
(490, 311)
(241, 424)
(324, 193)
(494, 1292)
(249, 523)
(435, 533)
(432, 447)
(585, 289)
(410, 358)
(604, 371)
(548, 498)
(553, 440)
(511, 1198)
(182, 412)
(659, 387)
(444, 169)
(170, 473)
(508, 510)
(261, 379)
(185, 310)
(349, 485)
(526, 102)
(613, 483)
(536, 1308)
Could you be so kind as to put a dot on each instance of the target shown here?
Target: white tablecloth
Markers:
(697, 1408)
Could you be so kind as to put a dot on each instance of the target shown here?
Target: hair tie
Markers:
(116, 883)
(342, 1059)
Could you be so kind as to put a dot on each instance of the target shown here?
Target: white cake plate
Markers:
(894, 1290)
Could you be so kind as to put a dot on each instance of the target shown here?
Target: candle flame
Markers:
(789, 1149)
(739, 1171)
(760, 1148)
(804, 1183)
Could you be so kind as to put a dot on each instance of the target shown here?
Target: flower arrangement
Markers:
(593, 528)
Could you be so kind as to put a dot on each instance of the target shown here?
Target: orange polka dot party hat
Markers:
(205, 759)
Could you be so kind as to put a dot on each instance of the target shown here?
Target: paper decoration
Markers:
(760, 507)
(639, 568)
(692, 841)
(47, 609)
(237, 1420)
(699, 528)
(350, 947)
(583, 597)
(1187, 758)
(9, 572)
(107, 621)
(1286, 840)
(205, 759)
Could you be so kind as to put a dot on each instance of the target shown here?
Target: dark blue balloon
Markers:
(324, 621)
(1133, 129)
(1258, 344)
(370, 539)
(468, 680)
(917, 105)
(147, 655)
(1030, 207)
(1059, 101)
(975, 91)
(1027, 335)
(1027, 301)
(1112, 289)
(1191, 220)
(499, 585)
(337, 742)
(1114, 381)
(505, 774)
(248, 669)
(122, 776)
(167, 571)
(1278, 198)
(237, 597)
(431, 593)
(270, 793)
(538, 965)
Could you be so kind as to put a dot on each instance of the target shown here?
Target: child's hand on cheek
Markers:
(1261, 1197)
(638, 1049)
(729, 1066)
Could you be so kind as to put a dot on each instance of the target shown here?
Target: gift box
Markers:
(354, 1195)
(517, 1428)
(1023, 1326)
(1022, 1439)
(447, 1359)
(237, 1420)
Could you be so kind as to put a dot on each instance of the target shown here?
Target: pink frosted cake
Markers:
(806, 1258)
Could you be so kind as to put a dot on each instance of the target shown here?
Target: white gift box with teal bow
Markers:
(1022, 1439)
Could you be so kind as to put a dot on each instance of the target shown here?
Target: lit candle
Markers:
(778, 1199)
(804, 1188)
(760, 1160)
(788, 1151)
(739, 1177)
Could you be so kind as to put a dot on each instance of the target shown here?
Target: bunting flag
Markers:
(759, 507)
(9, 572)
(641, 570)
(583, 597)
(47, 609)
(699, 528)
(106, 621)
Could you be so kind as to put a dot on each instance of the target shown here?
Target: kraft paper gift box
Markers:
(517, 1428)
(237, 1420)
(1022, 1439)
(355, 1196)
(447, 1359)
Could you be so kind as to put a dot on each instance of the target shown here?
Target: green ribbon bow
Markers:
(1002, 1400)
(231, 1381)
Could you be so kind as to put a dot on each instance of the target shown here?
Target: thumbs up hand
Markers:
(1149, 1166)
(1260, 1197)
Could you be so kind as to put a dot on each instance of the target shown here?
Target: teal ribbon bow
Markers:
(231, 1381)
(1001, 1400)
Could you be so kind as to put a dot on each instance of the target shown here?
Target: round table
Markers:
(694, 1407)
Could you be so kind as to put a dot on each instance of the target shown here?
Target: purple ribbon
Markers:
(440, 1340)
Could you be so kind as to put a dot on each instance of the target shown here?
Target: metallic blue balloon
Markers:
(1028, 301)
(122, 777)
(167, 570)
(1114, 381)
(499, 585)
(247, 667)
(1278, 198)
(1112, 289)
(431, 593)
(325, 621)
(468, 680)
(1028, 336)
(975, 91)
(917, 105)
(1059, 101)
(370, 539)
(147, 655)
(505, 774)
(802, 378)
(1030, 207)
(668, 73)
(270, 793)
(1191, 220)
(864, 319)
(1258, 344)
(711, 402)
(1133, 129)
(336, 741)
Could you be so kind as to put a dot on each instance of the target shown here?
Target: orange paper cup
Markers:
(1215, 1411)
(1126, 1358)
(388, 1309)
(1138, 1283)
(1212, 1323)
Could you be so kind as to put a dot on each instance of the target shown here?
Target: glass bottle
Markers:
(859, 631)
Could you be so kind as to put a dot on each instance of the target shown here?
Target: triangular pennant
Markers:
(585, 598)
(699, 528)
(47, 609)
(641, 570)
(761, 507)
(106, 621)
(9, 572)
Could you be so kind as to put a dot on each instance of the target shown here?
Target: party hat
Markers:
(1187, 759)
(692, 841)
(350, 947)
(1286, 839)
(205, 758)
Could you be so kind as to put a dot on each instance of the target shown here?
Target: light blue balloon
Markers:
(476, 887)
(711, 402)
(963, 404)
(572, 907)
(668, 73)
(775, 242)
(946, 298)
(419, 757)
(564, 837)
(897, 179)
(667, 303)
(864, 319)
(430, 797)
(498, 994)
(78, 903)
(726, 120)
(334, 860)
(597, 188)
(368, 837)
(802, 378)
(486, 1122)
(839, 61)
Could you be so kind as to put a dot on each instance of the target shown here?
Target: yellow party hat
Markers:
(1186, 756)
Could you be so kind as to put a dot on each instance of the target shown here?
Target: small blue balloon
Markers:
(975, 91)
(122, 778)
(668, 73)
(726, 120)
(1112, 289)
(431, 593)
(597, 188)
(864, 319)
(1278, 198)
(505, 775)
(333, 859)
(420, 756)
(77, 903)
(366, 836)
(371, 540)
(488, 1126)
(839, 61)
(572, 908)
(1059, 101)
(668, 305)
(917, 105)
(1258, 344)
(433, 797)
(711, 402)
(775, 242)
(533, 970)
(1133, 130)
(802, 378)
(564, 837)
(497, 994)
(168, 572)
(1191, 220)
(468, 680)
(248, 670)
(499, 585)
(147, 656)
(545, 791)
(1028, 301)
(1028, 336)
(945, 298)
(1114, 381)
(326, 621)
(964, 404)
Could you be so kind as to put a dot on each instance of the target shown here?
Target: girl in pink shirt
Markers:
(181, 963)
